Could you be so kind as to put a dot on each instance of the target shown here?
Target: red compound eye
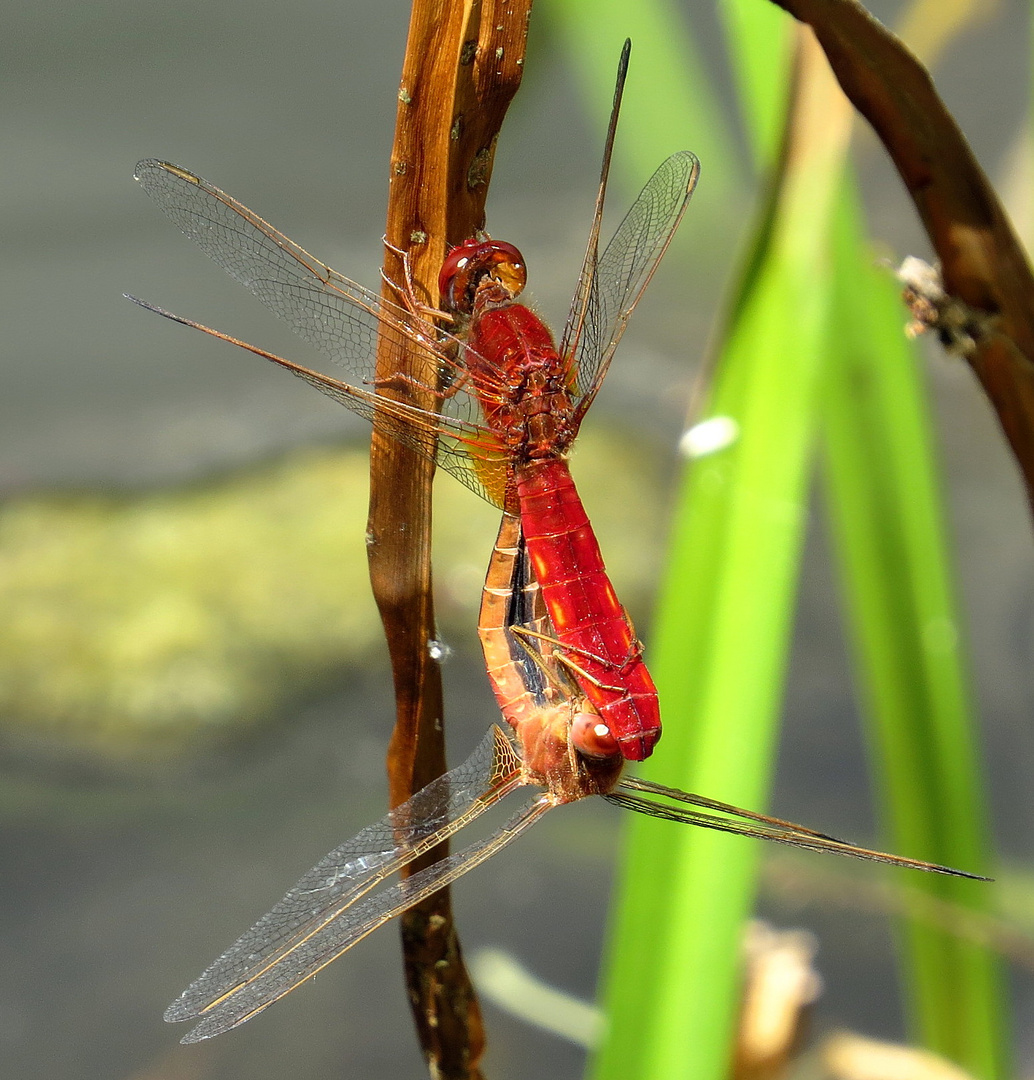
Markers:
(591, 736)
(454, 274)
(467, 263)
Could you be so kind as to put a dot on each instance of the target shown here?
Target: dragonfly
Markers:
(351, 891)
(553, 721)
(506, 401)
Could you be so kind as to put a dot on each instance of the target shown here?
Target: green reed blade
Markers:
(888, 526)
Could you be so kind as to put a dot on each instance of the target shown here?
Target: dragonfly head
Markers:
(591, 737)
(477, 262)
(553, 759)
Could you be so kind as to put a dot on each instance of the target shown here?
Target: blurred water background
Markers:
(131, 857)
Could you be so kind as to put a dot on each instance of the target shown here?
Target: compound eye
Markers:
(454, 276)
(591, 736)
(467, 264)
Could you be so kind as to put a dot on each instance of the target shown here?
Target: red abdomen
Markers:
(601, 644)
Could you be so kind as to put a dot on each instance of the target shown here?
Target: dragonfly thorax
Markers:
(521, 382)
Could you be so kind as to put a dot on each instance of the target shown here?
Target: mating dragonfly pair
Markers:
(561, 654)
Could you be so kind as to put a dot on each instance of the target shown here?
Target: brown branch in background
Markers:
(798, 885)
(462, 67)
(983, 264)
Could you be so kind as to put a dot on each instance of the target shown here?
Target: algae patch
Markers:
(140, 623)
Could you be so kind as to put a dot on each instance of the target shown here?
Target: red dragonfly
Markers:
(347, 895)
(510, 401)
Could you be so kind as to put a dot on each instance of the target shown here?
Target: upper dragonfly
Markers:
(348, 895)
(507, 402)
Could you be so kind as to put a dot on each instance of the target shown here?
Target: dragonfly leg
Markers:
(452, 374)
(564, 652)
(407, 292)
(529, 640)
(450, 382)
(400, 380)
(580, 673)
(635, 649)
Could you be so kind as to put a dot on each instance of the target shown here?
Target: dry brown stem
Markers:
(462, 67)
(982, 262)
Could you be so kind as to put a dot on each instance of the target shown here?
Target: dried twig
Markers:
(982, 262)
(462, 66)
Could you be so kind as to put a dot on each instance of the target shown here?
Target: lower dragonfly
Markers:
(348, 895)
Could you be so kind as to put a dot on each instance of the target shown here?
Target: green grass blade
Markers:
(888, 527)
(719, 654)
(669, 102)
(759, 50)
(724, 622)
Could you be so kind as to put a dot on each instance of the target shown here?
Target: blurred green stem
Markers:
(888, 526)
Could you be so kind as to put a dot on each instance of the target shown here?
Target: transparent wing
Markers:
(610, 285)
(329, 909)
(315, 953)
(751, 823)
(340, 318)
(468, 451)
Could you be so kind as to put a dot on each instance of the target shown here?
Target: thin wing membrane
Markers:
(323, 908)
(742, 822)
(314, 953)
(341, 319)
(610, 286)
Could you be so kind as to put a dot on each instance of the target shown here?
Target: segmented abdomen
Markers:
(599, 639)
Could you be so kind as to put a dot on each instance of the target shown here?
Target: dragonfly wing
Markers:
(607, 294)
(758, 826)
(341, 319)
(467, 451)
(313, 954)
(326, 906)
(337, 316)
